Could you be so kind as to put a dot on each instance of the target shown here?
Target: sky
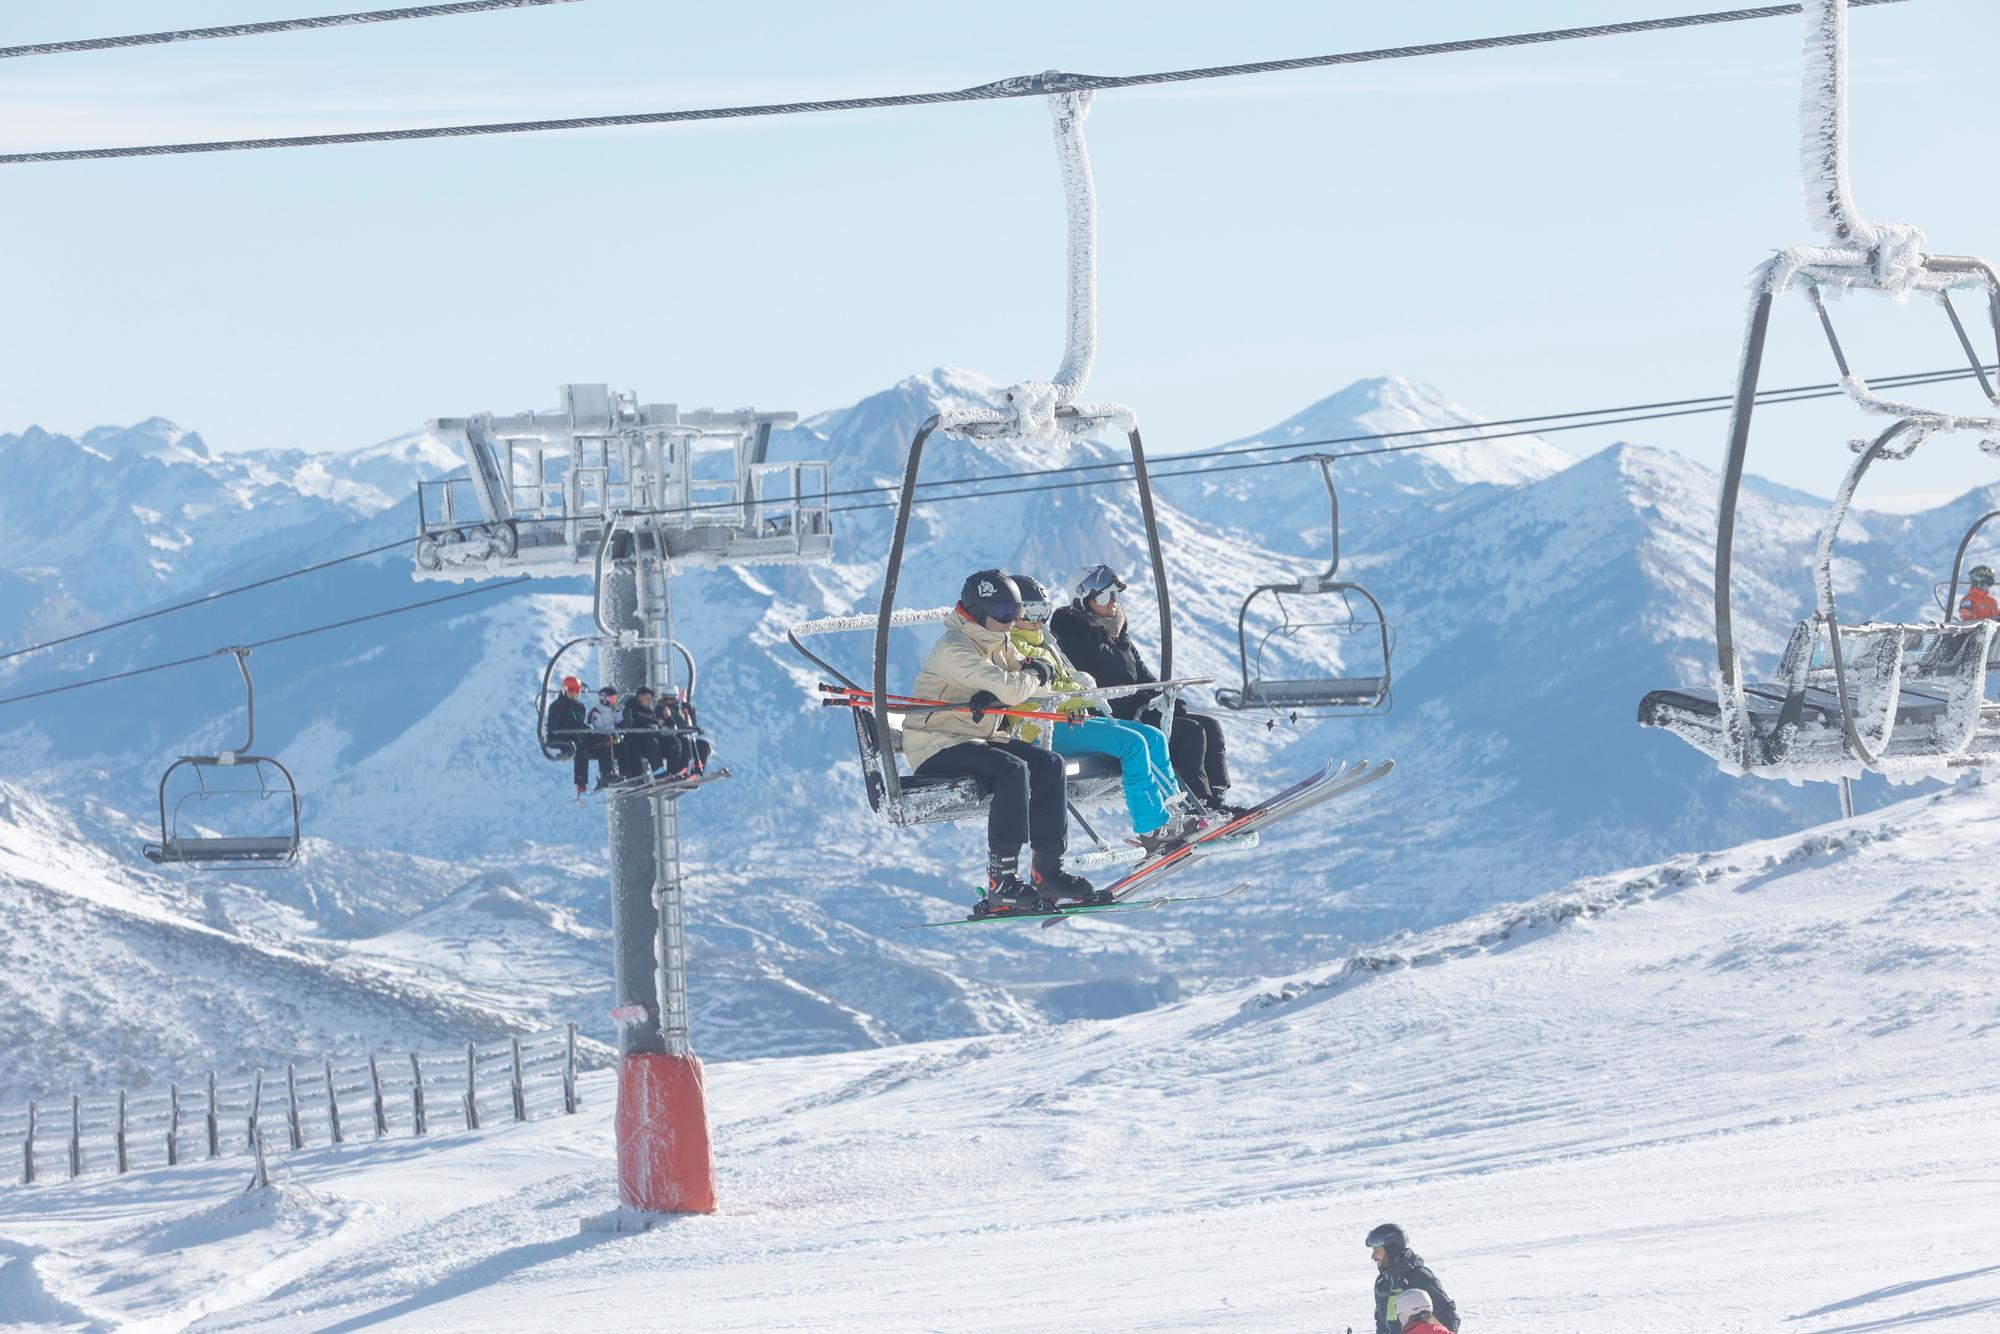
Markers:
(1533, 230)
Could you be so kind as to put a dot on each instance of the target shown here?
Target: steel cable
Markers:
(269, 27)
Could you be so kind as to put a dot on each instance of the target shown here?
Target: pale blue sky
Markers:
(1532, 230)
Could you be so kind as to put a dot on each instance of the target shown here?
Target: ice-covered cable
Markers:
(268, 27)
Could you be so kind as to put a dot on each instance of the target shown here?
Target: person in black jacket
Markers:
(1093, 636)
(1398, 1267)
(640, 749)
(569, 732)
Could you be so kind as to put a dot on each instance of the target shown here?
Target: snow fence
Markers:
(312, 1102)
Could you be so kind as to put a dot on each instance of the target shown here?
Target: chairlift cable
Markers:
(1600, 417)
(269, 26)
(1036, 85)
(266, 643)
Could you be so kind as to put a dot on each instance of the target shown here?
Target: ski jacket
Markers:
(1065, 682)
(967, 659)
(603, 717)
(1978, 605)
(1408, 1270)
(566, 718)
(636, 717)
(1110, 659)
(1425, 1325)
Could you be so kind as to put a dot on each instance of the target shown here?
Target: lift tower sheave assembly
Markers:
(628, 493)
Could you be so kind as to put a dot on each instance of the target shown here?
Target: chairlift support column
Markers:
(617, 490)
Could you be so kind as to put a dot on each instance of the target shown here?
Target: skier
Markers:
(603, 719)
(569, 732)
(1153, 796)
(1398, 1270)
(1093, 635)
(1411, 1307)
(974, 663)
(688, 755)
(641, 749)
(1978, 604)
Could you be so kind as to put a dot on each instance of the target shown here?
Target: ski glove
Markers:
(1040, 669)
(981, 702)
(1076, 705)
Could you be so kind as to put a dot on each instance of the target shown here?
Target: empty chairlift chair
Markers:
(229, 779)
(1276, 675)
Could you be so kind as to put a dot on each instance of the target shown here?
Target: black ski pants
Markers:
(1201, 760)
(1030, 801)
(582, 749)
(639, 753)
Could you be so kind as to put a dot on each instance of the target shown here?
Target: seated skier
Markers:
(1978, 604)
(1153, 796)
(975, 664)
(688, 755)
(641, 748)
(569, 732)
(1092, 634)
(603, 719)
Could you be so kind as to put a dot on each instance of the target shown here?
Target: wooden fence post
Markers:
(214, 1124)
(375, 1082)
(332, 1103)
(471, 1087)
(292, 1105)
(260, 1176)
(174, 1125)
(417, 1092)
(28, 1149)
(256, 1110)
(569, 1073)
(520, 1093)
(118, 1138)
(75, 1135)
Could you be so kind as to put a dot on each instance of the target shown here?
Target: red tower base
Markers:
(664, 1163)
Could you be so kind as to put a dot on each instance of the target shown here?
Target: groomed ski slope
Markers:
(1754, 1090)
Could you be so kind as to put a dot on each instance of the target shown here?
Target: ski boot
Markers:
(1066, 889)
(1006, 893)
(1180, 827)
(1225, 810)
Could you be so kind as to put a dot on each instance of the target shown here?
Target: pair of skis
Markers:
(1133, 892)
(672, 785)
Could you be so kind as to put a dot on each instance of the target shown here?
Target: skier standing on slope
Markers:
(973, 663)
(1093, 635)
(1413, 1309)
(1398, 1270)
(1153, 796)
(1978, 604)
(569, 732)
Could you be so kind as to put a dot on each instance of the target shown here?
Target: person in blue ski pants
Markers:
(1152, 792)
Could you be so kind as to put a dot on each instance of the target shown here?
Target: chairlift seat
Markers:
(1351, 692)
(185, 851)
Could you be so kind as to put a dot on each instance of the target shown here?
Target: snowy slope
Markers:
(1733, 1092)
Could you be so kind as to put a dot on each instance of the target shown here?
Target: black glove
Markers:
(981, 702)
(1040, 669)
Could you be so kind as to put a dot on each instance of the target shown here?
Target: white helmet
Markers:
(1407, 1303)
(1093, 580)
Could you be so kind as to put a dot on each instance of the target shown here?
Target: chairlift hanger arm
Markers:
(1958, 562)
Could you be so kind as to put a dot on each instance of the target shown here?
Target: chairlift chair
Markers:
(272, 782)
(551, 749)
(1313, 696)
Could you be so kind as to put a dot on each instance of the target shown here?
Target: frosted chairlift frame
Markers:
(1313, 697)
(1947, 594)
(1905, 700)
(245, 853)
(550, 749)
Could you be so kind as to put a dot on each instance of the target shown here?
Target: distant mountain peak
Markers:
(155, 438)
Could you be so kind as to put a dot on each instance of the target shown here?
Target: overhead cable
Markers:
(1032, 85)
(265, 643)
(1566, 421)
(269, 27)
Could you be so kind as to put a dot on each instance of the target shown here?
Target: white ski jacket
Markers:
(967, 659)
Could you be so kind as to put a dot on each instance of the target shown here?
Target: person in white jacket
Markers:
(974, 664)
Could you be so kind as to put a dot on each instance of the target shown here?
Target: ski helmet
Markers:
(1034, 598)
(1388, 1235)
(991, 596)
(572, 686)
(607, 692)
(1094, 580)
(1407, 1302)
(1982, 576)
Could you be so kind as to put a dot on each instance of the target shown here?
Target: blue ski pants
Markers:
(1141, 752)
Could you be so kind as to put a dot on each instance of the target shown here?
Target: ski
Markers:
(653, 787)
(1330, 782)
(1086, 909)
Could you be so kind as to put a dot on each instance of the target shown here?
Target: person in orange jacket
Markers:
(1413, 1309)
(1978, 604)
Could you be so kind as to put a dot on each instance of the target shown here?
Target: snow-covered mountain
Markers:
(1737, 1091)
(1535, 599)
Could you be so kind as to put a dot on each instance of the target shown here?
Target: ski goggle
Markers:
(1099, 582)
(1036, 612)
(1004, 612)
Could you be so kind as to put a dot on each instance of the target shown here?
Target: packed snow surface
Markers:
(1738, 1091)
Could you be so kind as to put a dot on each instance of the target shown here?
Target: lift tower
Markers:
(627, 493)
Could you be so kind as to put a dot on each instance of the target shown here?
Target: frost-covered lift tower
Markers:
(627, 493)
(1902, 699)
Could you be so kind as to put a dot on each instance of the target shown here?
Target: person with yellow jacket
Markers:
(1153, 796)
(974, 664)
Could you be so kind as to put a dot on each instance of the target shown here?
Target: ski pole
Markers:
(861, 699)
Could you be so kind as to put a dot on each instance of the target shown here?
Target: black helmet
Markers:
(991, 596)
(1034, 597)
(1388, 1235)
(1982, 576)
